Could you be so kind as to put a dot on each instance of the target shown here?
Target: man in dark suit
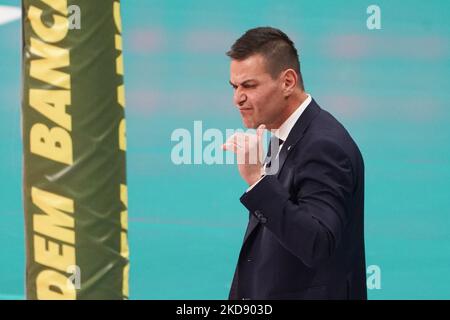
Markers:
(305, 236)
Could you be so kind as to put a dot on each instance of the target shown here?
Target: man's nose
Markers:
(239, 98)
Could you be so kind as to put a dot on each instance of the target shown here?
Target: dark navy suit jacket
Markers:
(305, 236)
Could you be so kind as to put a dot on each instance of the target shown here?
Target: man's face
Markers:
(258, 97)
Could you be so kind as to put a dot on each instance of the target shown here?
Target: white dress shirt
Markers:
(283, 131)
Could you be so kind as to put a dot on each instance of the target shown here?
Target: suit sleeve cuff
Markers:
(267, 195)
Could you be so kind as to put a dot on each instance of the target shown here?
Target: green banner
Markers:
(75, 192)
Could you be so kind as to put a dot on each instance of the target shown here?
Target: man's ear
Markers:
(290, 80)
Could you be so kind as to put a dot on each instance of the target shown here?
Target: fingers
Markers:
(243, 142)
(230, 146)
(260, 131)
(235, 142)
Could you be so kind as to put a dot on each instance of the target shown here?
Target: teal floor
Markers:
(389, 87)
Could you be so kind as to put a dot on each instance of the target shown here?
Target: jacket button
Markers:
(260, 216)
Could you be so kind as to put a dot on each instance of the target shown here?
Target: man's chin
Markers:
(249, 124)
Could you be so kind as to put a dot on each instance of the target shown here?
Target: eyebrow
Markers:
(243, 83)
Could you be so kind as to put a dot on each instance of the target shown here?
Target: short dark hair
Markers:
(274, 45)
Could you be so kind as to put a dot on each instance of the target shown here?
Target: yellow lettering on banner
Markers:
(58, 221)
(124, 249)
(53, 58)
(124, 199)
(122, 135)
(118, 41)
(119, 59)
(53, 254)
(58, 5)
(126, 272)
(117, 18)
(119, 64)
(52, 104)
(121, 95)
(52, 285)
(60, 27)
(54, 144)
(125, 253)
(54, 223)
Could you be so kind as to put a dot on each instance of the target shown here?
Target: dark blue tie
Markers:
(273, 141)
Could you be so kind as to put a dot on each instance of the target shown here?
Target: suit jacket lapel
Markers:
(297, 133)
